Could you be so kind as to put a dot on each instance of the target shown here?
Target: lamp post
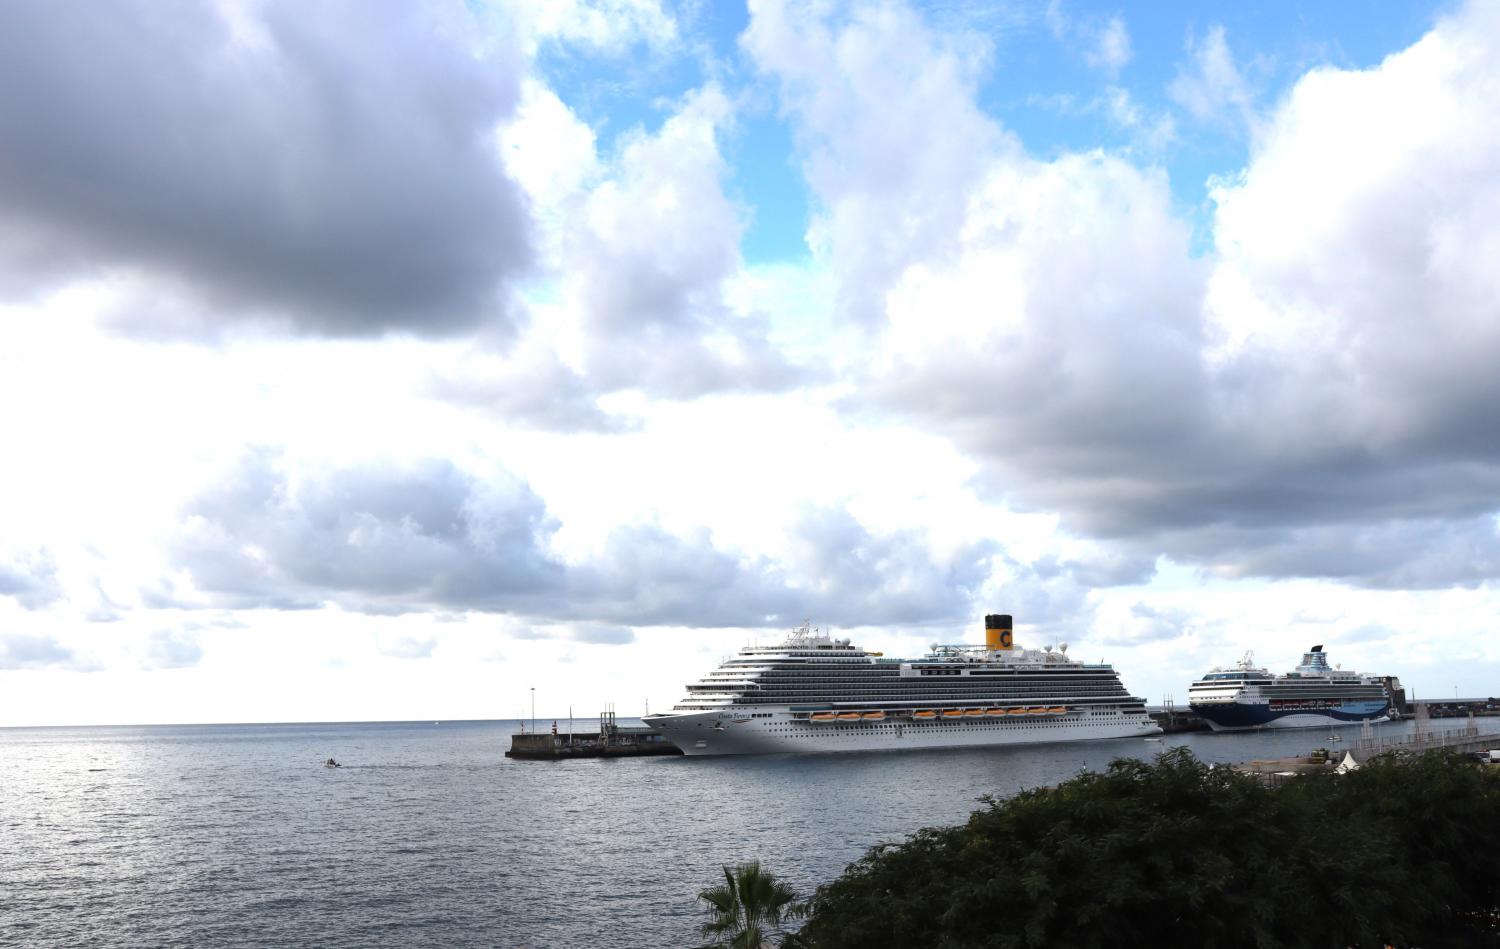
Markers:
(533, 710)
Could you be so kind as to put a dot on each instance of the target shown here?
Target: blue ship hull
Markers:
(1234, 715)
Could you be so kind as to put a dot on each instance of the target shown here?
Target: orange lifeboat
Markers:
(1016, 711)
(953, 713)
(974, 712)
(924, 714)
(1037, 710)
(822, 716)
(1058, 710)
(995, 712)
(848, 716)
(874, 716)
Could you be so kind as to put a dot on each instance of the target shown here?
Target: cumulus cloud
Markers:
(22, 651)
(834, 568)
(1323, 380)
(30, 578)
(889, 131)
(650, 252)
(389, 539)
(381, 538)
(643, 243)
(530, 390)
(324, 165)
(1406, 554)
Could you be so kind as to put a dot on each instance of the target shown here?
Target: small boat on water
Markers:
(330, 763)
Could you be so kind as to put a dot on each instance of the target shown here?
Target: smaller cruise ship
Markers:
(1314, 695)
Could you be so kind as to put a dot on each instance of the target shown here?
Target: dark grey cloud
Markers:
(30, 578)
(1109, 567)
(1414, 554)
(329, 164)
(428, 537)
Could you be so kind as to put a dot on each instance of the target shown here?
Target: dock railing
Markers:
(1465, 738)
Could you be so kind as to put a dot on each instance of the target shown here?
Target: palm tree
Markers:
(748, 909)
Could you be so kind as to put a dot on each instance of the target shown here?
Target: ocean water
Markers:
(235, 835)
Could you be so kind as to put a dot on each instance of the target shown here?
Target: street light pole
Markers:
(533, 710)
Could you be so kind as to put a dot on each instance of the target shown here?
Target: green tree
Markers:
(1402, 852)
(749, 909)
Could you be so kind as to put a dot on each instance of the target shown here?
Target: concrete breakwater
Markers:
(609, 741)
(591, 745)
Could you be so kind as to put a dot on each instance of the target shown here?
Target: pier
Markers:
(1465, 739)
(609, 741)
(1174, 720)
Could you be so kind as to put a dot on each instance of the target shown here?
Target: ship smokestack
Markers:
(997, 632)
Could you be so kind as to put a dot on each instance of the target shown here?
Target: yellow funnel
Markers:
(998, 632)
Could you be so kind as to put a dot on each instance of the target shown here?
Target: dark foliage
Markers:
(1402, 852)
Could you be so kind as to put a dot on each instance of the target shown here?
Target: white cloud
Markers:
(1111, 50)
(408, 647)
(890, 134)
(1104, 42)
(171, 649)
(30, 577)
(1212, 87)
(25, 651)
(388, 539)
(1290, 390)
(610, 26)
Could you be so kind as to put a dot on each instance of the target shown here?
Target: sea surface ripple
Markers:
(235, 835)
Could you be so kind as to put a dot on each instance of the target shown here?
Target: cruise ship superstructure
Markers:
(1314, 695)
(816, 693)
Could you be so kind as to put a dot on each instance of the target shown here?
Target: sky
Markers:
(446, 360)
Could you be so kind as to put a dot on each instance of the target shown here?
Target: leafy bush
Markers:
(1402, 852)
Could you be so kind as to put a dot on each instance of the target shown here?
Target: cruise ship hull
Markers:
(1239, 716)
(724, 733)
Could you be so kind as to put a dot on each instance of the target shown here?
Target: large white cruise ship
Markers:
(816, 693)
